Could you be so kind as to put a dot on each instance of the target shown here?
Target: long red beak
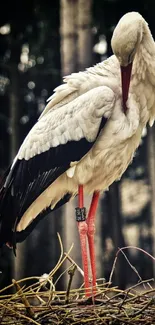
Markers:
(126, 75)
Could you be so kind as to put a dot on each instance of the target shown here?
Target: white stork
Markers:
(84, 140)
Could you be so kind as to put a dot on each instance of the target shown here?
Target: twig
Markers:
(138, 312)
(133, 268)
(71, 273)
(42, 301)
(143, 294)
(59, 277)
(73, 262)
(126, 292)
(31, 320)
(24, 299)
(120, 320)
(61, 261)
(113, 268)
(139, 249)
(60, 258)
(112, 305)
(21, 280)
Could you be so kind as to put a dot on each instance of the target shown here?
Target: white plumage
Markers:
(75, 112)
(77, 119)
(103, 164)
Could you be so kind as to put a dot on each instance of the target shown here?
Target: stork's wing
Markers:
(56, 140)
(105, 73)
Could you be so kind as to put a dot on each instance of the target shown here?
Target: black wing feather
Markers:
(20, 236)
(29, 178)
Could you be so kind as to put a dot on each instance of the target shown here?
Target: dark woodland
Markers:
(32, 64)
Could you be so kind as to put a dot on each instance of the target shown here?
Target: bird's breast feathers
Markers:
(113, 150)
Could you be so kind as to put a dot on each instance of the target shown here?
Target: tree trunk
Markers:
(115, 224)
(68, 34)
(76, 49)
(151, 176)
(7, 258)
(84, 20)
(14, 111)
(68, 12)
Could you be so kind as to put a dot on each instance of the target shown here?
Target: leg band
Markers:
(80, 214)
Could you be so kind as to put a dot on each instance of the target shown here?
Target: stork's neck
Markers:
(145, 57)
(144, 77)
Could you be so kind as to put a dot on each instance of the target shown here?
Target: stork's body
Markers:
(86, 136)
(101, 166)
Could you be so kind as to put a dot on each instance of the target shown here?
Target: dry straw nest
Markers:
(40, 303)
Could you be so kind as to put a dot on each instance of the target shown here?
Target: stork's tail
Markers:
(6, 216)
(21, 236)
(7, 209)
(10, 237)
(10, 212)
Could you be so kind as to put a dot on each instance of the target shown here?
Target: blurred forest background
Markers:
(41, 41)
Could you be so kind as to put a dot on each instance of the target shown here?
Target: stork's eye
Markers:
(130, 56)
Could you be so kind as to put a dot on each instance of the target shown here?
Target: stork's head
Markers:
(125, 41)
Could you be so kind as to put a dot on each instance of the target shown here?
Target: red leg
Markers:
(80, 196)
(91, 233)
(83, 229)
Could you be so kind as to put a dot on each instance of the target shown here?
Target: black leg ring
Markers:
(80, 214)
